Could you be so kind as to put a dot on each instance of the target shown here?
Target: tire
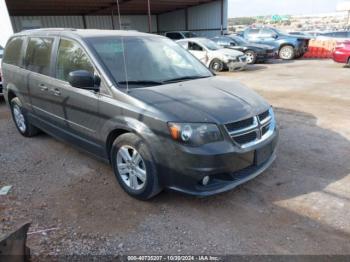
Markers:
(300, 55)
(251, 57)
(216, 65)
(287, 52)
(142, 189)
(348, 64)
(22, 123)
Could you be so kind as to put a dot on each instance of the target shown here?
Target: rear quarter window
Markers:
(12, 53)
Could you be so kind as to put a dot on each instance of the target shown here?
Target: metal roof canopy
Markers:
(96, 7)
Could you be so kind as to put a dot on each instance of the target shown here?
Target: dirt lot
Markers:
(301, 205)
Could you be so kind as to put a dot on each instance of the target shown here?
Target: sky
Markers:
(239, 8)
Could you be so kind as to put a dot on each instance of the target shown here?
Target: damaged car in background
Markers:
(289, 46)
(214, 56)
(255, 53)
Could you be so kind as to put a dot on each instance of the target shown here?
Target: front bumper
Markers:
(227, 167)
(270, 54)
(236, 66)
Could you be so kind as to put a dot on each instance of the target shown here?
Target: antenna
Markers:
(123, 46)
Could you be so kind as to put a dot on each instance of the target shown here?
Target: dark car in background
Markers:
(254, 52)
(288, 46)
(178, 35)
(157, 115)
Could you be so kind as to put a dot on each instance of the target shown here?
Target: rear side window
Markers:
(174, 36)
(194, 47)
(38, 55)
(71, 57)
(13, 51)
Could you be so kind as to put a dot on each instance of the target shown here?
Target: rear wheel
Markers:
(287, 52)
(134, 167)
(348, 64)
(21, 121)
(251, 57)
(216, 65)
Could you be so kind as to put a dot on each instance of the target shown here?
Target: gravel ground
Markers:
(301, 205)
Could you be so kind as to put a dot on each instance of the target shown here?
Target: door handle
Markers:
(56, 92)
(43, 87)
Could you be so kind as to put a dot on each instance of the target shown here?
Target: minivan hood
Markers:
(216, 99)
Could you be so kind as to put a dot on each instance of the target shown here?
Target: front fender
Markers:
(283, 42)
(151, 137)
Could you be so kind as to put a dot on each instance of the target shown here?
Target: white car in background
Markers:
(214, 56)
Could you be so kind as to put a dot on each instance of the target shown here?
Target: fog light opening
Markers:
(205, 180)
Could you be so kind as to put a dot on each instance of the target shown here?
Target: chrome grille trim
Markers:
(257, 127)
(248, 129)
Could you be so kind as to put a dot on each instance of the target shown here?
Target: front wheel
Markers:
(134, 167)
(251, 57)
(21, 121)
(287, 52)
(216, 65)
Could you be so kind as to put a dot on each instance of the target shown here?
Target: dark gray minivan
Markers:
(142, 103)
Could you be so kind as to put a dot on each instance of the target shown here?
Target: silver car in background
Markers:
(214, 56)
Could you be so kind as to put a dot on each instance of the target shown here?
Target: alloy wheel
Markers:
(19, 118)
(286, 53)
(250, 57)
(131, 168)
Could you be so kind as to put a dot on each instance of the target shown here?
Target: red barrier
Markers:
(321, 49)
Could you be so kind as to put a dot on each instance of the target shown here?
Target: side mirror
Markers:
(84, 79)
(232, 44)
(275, 36)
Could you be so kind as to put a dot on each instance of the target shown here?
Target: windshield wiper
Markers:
(141, 83)
(179, 79)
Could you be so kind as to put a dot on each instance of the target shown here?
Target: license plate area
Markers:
(262, 154)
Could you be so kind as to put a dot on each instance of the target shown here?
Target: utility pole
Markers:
(149, 17)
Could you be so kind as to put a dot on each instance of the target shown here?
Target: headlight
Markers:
(195, 134)
(230, 57)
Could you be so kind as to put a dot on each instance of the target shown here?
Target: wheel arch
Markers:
(286, 44)
(123, 126)
(10, 95)
(112, 136)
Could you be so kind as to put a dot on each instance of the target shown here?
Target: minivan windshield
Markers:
(142, 61)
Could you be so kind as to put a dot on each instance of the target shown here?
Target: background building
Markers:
(205, 17)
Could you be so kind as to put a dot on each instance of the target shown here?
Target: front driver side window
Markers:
(194, 47)
(71, 57)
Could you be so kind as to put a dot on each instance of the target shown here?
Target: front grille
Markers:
(250, 131)
(246, 138)
(265, 129)
(232, 127)
(264, 115)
